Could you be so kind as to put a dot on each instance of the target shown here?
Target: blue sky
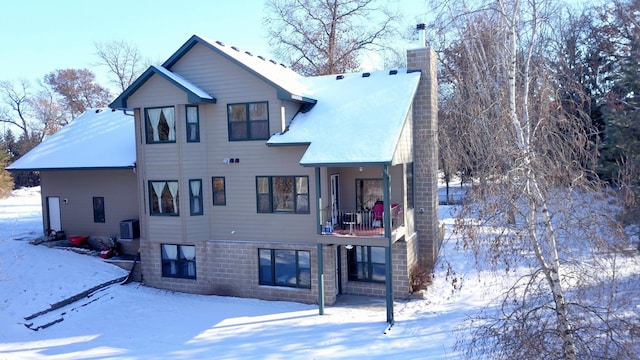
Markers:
(40, 36)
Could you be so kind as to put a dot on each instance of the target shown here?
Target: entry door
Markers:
(335, 197)
(53, 213)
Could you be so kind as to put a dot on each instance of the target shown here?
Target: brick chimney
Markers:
(425, 143)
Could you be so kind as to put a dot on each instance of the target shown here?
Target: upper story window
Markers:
(219, 192)
(283, 194)
(368, 191)
(160, 124)
(163, 198)
(193, 124)
(195, 197)
(410, 186)
(248, 121)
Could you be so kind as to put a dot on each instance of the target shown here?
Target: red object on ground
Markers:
(78, 240)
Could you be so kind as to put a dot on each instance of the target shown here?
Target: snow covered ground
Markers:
(136, 322)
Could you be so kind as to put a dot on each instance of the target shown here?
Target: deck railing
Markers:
(360, 222)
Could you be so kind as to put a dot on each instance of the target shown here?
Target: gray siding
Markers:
(76, 189)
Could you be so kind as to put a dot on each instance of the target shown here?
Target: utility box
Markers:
(130, 229)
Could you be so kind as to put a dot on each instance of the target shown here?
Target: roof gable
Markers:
(97, 139)
(194, 94)
(288, 84)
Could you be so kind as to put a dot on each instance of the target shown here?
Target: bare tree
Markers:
(17, 98)
(123, 60)
(77, 89)
(320, 37)
(530, 160)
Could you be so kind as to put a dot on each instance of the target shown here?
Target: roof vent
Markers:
(339, 77)
(393, 72)
(220, 43)
(366, 74)
(248, 53)
(235, 48)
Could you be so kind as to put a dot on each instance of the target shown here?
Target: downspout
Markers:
(386, 188)
(319, 246)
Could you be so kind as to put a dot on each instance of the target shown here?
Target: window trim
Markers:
(272, 269)
(271, 194)
(99, 214)
(176, 200)
(147, 123)
(224, 190)
(193, 197)
(248, 120)
(179, 261)
(197, 124)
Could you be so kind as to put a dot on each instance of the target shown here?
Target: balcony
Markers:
(360, 222)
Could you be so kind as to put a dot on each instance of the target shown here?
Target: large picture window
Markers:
(195, 197)
(287, 194)
(179, 261)
(368, 191)
(193, 124)
(219, 191)
(366, 263)
(290, 268)
(248, 121)
(163, 198)
(160, 125)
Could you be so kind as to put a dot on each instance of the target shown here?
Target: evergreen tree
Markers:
(6, 181)
(620, 160)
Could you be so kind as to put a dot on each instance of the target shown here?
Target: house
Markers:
(87, 175)
(253, 181)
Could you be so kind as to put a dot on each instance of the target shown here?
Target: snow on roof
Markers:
(187, 85)
(96, 139)
(358, 118)
(271, 71)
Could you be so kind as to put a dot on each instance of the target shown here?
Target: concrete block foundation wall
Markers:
(230, 268)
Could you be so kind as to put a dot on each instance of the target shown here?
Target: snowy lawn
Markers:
(137, 322)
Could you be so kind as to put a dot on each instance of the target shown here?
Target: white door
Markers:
(53, 213)
(335, 197)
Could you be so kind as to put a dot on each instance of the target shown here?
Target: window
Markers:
(249, 121)
(98, 210)
(366, 263)
(193, 124)
(368, 191)
(283, 194)
(160, 125)
(290, 268)
(179, 261)
(219, 194)
(410, 191)
(195, 197)
(163, 198)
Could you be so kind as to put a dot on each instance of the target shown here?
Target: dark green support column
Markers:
(320, 280)
(386, 184)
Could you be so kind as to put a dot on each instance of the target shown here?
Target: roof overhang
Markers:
(72, 168)
(194, 94)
